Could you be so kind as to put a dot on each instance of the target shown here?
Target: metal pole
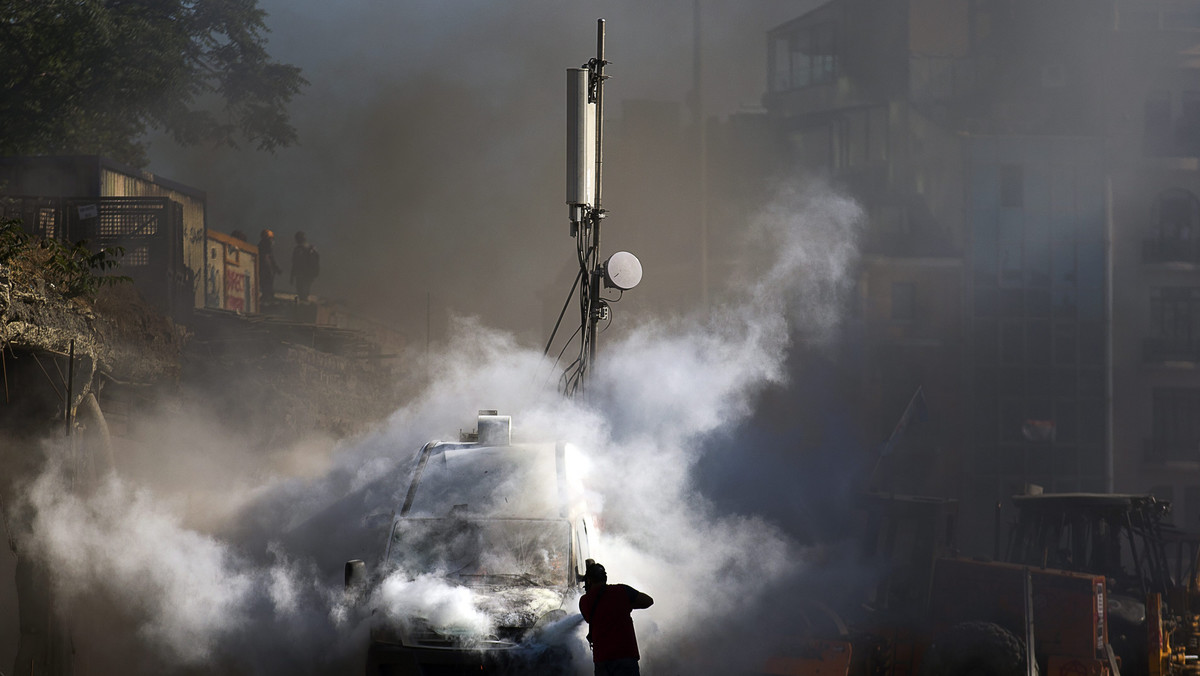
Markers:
(1030, 658)
(996, 534)
(597, 213)
(1110, 409)
(599, 119)
(70, 382)
(428, 332)
(702, 130)
(4, 366)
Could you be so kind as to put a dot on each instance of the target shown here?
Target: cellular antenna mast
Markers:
(585, 178)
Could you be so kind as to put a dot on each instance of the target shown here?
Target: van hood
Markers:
(512, 612)
(518, 607)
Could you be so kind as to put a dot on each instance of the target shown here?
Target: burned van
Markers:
(484, 560)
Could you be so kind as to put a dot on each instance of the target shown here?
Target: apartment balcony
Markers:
(1171, 452)
(940, 79)
(924, 243)
(1164, 350)
(1157, 17)
(1170, 250)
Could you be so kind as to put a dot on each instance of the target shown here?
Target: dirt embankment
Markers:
(132, 368)
(258, 372)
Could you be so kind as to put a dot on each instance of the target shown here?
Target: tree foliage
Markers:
(93, 76)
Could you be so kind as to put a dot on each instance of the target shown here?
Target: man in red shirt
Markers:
(607, 608)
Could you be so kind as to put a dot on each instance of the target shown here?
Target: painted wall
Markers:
(230, 274)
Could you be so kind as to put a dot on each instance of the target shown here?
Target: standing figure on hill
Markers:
(268, 266)
(306, 265)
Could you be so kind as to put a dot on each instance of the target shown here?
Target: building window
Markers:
(1174, 332)
(1176, 425)
(1177, 215)
(1175, 222)
(781, 76)
(804, 57)
(840, 143)
(1175, 313)
(1170, 129)
(1157, 122)
(877, 135)
(1012, 343)
(903, 301)
(1188, 125)
(1190, 517)
(859, 135)
(1133, 17)
(891, 220)
(861, 138)
(1039, 343)
(1012, 186)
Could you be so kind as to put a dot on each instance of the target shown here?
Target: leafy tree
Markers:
(93, 76)
(74, 270)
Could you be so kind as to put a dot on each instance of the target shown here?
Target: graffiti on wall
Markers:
(235, 290)
(230, 274)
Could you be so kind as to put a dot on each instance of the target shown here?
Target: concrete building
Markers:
(839, 97)
(1030, 171)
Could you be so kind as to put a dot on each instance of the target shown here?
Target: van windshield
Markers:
(517, 482)
(484, 551)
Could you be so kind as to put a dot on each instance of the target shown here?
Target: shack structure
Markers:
(161, 224)
(230, 274)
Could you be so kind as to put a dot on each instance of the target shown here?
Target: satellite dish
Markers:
(622, 270)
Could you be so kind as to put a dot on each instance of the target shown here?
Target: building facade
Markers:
(1030, 171)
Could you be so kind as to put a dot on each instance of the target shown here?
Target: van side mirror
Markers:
(356, 574)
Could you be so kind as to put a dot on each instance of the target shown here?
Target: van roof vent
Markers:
(494, 430)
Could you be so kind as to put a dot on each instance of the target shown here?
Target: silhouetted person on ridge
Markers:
(268, 266)
(305, 266)
(607, 608)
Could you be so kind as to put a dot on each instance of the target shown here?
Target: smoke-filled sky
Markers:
(430, 169)
(234, 565)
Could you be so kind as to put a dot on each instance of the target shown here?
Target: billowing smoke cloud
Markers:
(260, 590)
(122, 540)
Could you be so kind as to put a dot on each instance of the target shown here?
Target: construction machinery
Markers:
(1098, 584)
(1149, 567)
(931, 612)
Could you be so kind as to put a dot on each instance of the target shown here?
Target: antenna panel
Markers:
(581, 140)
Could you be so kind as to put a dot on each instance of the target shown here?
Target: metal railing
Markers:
(1170, 250)
(149, 229)
(1161, 451)
(1170, 349)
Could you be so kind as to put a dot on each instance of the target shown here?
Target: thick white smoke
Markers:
(122, 540)
(431, 597)
(259, 591)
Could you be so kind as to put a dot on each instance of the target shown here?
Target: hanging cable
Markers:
(561, 314)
